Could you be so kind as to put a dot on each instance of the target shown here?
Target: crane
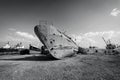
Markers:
(109, 45)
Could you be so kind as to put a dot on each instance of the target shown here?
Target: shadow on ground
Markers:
(31, 58)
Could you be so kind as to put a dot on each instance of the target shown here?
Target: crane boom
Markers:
(104, 40)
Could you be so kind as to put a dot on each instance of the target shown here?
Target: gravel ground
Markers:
(80, 67)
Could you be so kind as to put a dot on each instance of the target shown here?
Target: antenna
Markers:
(43, 22)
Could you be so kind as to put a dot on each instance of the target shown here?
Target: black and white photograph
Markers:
(59, 39)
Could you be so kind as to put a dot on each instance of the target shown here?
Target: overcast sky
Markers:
(85, 20)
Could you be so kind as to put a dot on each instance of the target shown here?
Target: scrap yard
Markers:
(60, 58)
(59, 39)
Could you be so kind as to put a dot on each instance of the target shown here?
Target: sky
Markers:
(87, 21)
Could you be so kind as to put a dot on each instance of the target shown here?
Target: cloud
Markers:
(95, 38)
(109, 34)
(12, 29)
(13, 38)
(83, 40)
(20, 33)
(115, 12)
(25, 34)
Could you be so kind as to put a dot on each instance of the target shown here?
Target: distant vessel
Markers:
(58, 44)
(19, 46)
(7, 46)
(17, 49)
(111, 48)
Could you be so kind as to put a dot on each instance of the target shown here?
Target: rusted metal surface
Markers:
(58, 44)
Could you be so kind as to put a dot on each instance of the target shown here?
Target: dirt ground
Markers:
(80, 67)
